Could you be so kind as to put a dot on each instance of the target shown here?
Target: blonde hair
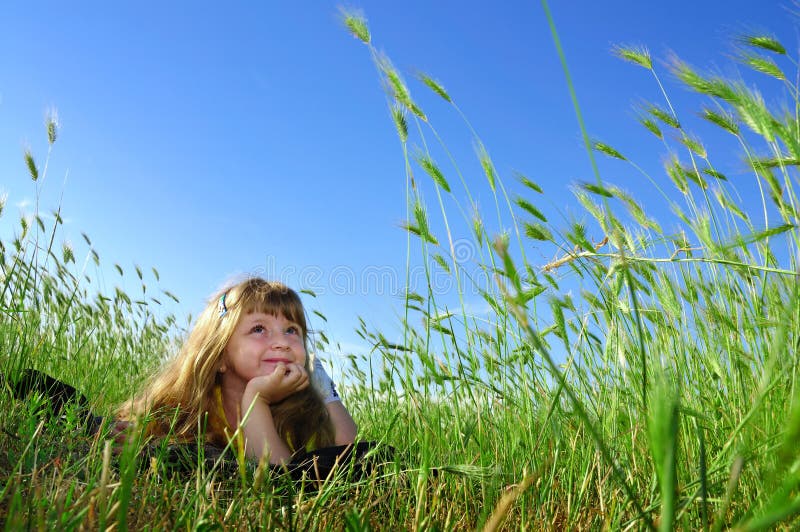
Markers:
(179, 400)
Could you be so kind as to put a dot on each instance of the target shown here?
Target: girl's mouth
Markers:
(277, 360)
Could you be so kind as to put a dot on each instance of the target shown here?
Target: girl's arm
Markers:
(344, 427)
(260, 435)
(258, 426)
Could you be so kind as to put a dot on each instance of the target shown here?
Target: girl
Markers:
(245, 366)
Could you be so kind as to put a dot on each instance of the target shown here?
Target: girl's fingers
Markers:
(296, 377)
(295, 371)
(303, 381)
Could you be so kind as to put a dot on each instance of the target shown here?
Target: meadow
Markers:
(643, 379)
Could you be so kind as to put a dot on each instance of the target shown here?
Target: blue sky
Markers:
(210, 141)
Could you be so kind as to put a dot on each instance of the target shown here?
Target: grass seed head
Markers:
(765, 65)
(398, 87)
(432, 170)
(591, 207)
(356, 23)
(600, 190)
(608, 150)
(52, 125)
(67, 254)
(24, 224)
(422, 227)
(711, 85)
(417, 111)
(638, 55)
(31, 164)
(528, 183)
(400, 122)
(765, 42)
(663, 115)
(715, 174)
(695, 177)
(529, 208)
(435, 86)
(753, 112)
(486, 164)
(675, 172)
(537, 231)
(721, 119)
(477, 227)
(694, 144)
(651, 126)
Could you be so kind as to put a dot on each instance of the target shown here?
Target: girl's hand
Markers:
(280, 384)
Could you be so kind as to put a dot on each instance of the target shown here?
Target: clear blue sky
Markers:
(210, 139)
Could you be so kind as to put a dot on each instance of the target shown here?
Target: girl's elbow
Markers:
(346, 437)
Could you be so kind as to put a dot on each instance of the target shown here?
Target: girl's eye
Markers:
(257, 329)
(292, 330)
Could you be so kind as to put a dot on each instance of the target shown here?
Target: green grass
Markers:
(659, 394)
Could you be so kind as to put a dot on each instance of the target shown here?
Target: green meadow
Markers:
(645, 378)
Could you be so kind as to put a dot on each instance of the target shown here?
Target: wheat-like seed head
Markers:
(638, 55)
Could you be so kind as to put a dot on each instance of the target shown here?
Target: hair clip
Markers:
(221, 305)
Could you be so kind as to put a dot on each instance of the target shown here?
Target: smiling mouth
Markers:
(277, 360)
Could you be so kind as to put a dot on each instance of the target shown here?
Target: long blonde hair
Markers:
(179, 400)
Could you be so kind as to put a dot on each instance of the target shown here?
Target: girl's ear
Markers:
(223, 361)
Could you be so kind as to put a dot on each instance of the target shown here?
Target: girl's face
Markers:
(258, 344)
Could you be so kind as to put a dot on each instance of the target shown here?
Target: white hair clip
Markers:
(221, 306)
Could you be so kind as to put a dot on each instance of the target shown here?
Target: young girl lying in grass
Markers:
(245, 367)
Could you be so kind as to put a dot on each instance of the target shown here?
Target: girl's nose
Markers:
(279, 341)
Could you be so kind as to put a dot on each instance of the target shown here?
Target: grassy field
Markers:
(660, 394)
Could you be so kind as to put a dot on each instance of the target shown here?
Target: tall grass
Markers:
(641, 379)
(663, 395)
